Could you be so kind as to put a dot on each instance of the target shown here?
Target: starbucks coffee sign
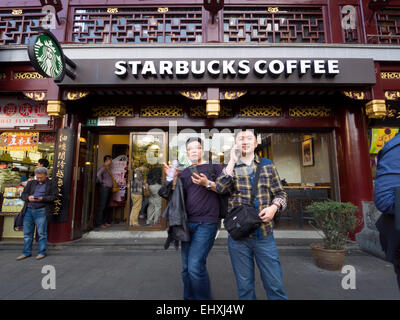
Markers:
(230, 71)
(232, 67)
(47, 57)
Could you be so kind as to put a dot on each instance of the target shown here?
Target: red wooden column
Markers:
(355, 176)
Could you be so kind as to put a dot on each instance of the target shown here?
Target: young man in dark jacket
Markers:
(39, 196)
(202, 207)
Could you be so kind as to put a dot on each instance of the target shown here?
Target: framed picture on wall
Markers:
(307, 152)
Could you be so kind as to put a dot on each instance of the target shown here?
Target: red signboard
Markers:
(23, 115)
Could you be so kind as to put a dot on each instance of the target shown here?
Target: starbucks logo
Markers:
(48, 56)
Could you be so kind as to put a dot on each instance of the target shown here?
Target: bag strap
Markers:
(112, 177)
(211, 171)
(255, 183)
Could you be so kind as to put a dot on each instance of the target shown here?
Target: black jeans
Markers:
(103, 212)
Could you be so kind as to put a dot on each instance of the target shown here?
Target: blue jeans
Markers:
(194, 255)
(35, 217)
(263, 249)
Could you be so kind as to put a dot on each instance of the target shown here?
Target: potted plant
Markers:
(335, 220)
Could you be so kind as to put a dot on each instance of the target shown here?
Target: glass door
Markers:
(148, 150)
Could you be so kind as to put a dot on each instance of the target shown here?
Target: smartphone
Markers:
(36, 198)
(193, 169)
(237, 152)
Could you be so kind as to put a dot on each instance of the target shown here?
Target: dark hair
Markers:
(44, 162)
(15, 169)
(107, 157)
(194, 139)
(154, 176)
(254, 131)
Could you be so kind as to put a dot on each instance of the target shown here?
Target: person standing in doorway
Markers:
(202, 207)
(105, 181)
(237, 179)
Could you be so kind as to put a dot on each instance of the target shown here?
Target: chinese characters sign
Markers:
(63, 172)
(25, 114)
(19, 141)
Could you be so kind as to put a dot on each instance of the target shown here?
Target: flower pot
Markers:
(328, 259)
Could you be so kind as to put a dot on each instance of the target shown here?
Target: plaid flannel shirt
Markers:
(239, 187)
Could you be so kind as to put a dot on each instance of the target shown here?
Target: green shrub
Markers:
(335, 220)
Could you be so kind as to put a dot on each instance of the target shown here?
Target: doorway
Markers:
(137, 169)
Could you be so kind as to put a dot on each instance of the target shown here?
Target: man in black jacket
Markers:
(39, 196)
(201, 205)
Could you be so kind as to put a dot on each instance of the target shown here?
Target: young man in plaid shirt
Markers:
(236, 179)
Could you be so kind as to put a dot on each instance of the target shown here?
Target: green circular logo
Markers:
(48, 56)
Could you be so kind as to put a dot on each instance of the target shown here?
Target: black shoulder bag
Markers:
(243, 220)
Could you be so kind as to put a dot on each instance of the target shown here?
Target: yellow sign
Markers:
(19, 141)
(380, 137)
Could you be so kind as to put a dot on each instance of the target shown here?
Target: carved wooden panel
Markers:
(137, 25)
(200, 111)
(388, 24)
(350, 21)
(274, 24)
(15, 25)
(260, 111)
(161, 111)
(112, 111)
(317, 112)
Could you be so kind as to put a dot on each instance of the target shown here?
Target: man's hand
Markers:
(167, 169)
(32, 199)
(200, 180)
(234, 157)
(267, 214)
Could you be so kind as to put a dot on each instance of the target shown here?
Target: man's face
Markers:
(40, 177)
(194, 152)
(39, 165)
(108, 162)
(246, 142)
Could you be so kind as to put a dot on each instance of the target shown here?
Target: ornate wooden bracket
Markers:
(75, 95)
(55, 108)
(213, 96)
(194, 95)
(376, 109)
(35, 95)
(392, 95)
(355, 95)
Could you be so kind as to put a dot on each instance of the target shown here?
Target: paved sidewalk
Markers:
(95, 271)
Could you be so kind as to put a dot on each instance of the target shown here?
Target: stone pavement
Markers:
(132, 269)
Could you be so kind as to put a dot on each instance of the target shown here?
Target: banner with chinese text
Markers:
(19, 141)
(63, 166)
